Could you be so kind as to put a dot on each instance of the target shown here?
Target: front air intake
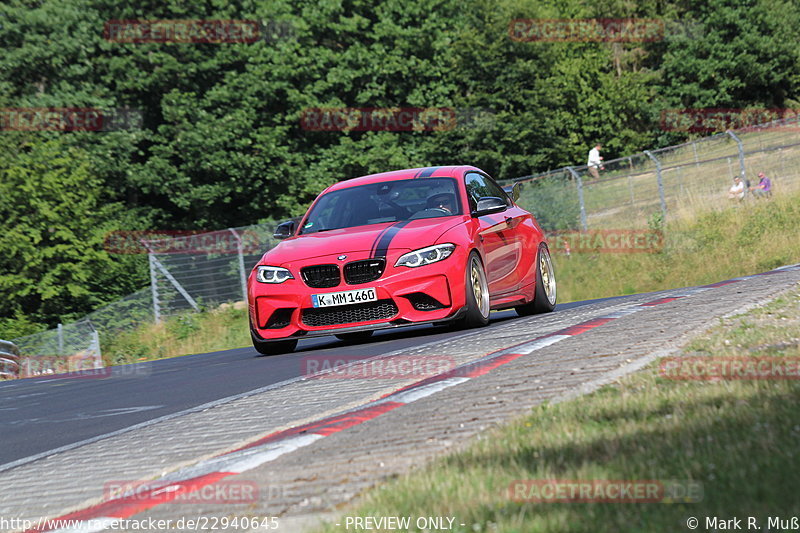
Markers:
(321, 276)
(364, 271)
(423, 302)
(348, 314)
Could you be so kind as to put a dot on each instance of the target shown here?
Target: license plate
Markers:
(344, 298)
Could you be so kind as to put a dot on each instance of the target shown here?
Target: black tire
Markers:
(273, 347)
(544, 300)
(355, 336)
(477, 314)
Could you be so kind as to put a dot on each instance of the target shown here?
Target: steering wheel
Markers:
(425, 213)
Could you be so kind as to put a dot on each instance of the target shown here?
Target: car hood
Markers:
(408, 235)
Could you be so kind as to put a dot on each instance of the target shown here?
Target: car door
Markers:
(500, 234)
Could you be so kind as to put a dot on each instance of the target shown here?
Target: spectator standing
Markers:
(595, 161)
(764, 187)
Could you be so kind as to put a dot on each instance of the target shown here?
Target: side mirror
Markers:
(284, 230)
(488, 205)
(516, 191)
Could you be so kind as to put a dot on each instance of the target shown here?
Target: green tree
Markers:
(53, 222)
(742, 54)
(222, 144)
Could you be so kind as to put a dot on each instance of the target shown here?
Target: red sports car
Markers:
(425, 245)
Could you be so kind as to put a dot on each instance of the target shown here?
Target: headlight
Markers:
(426, 256)
(270, 274)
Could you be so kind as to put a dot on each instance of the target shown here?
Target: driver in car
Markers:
(442, 201)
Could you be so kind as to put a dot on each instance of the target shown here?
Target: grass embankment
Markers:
(695, 178)
(737, 439)
(743, 239)
(220, 329)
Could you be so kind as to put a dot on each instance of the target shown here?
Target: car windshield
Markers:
(388, 201)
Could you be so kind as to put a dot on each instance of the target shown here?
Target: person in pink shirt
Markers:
(764, 187)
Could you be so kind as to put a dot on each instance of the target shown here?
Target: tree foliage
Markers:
(55, 222)
(222, 143)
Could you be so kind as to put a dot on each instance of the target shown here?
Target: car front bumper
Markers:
(427, 294)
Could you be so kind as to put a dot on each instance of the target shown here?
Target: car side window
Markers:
(476, 188)
(497, 190)
(479, 186)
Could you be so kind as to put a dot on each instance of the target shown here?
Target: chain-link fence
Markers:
(188, 273)
(130, 311)
(192, 272)
(204, 270)
(632, 191)
(69, 348)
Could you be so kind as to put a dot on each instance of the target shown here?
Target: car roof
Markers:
(409, 173)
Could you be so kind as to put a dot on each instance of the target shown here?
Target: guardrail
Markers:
(9, 360)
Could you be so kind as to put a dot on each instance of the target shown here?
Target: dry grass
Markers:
(221, 329)
(735, 240)
(628, 196)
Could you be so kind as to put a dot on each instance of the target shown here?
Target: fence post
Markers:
(579, 183)
(696, 159)
(660, 182)
(60, 336)
(154, 287)
(98, 355)
(741, 153)
(630, 178)
(240, 252)
(188, 297)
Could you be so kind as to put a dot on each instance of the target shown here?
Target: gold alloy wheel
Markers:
(548, 276)
(479, 288)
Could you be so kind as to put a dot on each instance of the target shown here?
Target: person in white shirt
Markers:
(736, 192)
(595, 161)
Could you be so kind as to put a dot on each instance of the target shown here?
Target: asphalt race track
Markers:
(42, 414)
(311, 445)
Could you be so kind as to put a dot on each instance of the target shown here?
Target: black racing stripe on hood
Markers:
(428, 172)
(378, 240)
(382, 248)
